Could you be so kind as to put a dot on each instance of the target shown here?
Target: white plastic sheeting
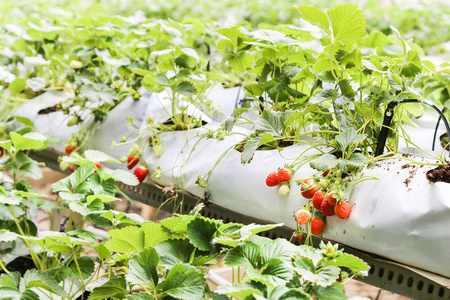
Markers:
(55, 122)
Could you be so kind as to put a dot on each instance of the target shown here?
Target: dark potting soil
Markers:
(440, 174)
(20, 264)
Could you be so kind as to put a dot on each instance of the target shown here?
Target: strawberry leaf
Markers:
(98, 156)
(283, 292)
(277, 271)
(326, 277)
(324, 95)
(98, 94)
(325, 162)
(329, 292)
(86, 266)
(172, 252)
(245, 255)
(127, 239)
(273, 37)
(143, 268)
(348, 261)
(154, 234)
(7, 236)
(233, 34)
(184, 282)
(249, 149)
(201, 232)
(241, 291)
(347, 21)
(348, 137)
(28, 141)
(115, 287)
(27, 166)
(315, 16)
(36, 279)
(141, 296)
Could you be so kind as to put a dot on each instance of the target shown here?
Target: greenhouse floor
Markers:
(219, 273)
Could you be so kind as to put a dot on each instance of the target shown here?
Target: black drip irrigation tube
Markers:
(437, 127)
(389, 114)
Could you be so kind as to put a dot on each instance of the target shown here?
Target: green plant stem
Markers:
(78, 267)
(34, 256)
(49, 296)
(3, 267)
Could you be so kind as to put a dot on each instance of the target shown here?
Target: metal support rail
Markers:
(383, 274)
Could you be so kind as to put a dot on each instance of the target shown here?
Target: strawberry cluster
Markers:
(132, 160)
(280, 177)
(324, 202)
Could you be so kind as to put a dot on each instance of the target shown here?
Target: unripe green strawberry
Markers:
(136, 96)
(73, 121)
(317, 226)
(331, 251)
(323, 183)
(76, 64)
(343, 209)
(63, 165)
(135, 150)
(158, 150)
(123, 139)
(284, 190)
(302, 216)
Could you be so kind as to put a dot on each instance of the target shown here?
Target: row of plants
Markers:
(142, 259)
(418, 21)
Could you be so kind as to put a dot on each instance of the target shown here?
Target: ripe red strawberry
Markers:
(96, 165)
(132, 161)
(72, 170)
(284, 174)
(309, 188)
(140, 172)
(299, 236)
(327, 209)
(318, 199)
(272, 179)
(343, 209)
(331, 199)
(317, 226)
(302, 216)
(324, 174)
(70, 147)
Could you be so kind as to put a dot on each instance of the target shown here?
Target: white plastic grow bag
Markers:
(408, 224)
(55, 122)
(104, 133)
(116, 125)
